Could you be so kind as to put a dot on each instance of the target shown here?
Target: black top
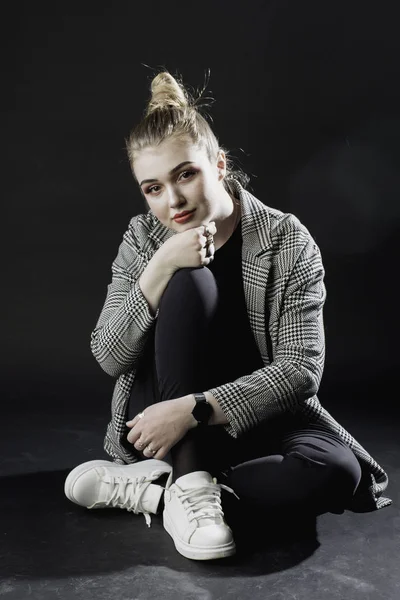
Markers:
(241, 354)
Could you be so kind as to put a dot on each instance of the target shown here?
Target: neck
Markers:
(226, 227)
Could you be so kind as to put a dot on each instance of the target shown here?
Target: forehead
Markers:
(166, 156)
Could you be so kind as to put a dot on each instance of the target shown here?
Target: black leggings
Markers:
(284, 462)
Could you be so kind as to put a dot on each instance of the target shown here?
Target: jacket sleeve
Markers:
(296, 371)
(121, 331)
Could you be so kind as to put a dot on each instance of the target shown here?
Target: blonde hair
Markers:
(173, 112)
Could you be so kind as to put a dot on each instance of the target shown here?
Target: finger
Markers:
(140, 444)
(133, 421)
(134, 434)
(160, 454)
(148, 452)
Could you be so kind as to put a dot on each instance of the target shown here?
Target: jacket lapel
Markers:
(255, 272)
(256, 267)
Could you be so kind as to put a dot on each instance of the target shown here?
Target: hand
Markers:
(188, 248)
(163, 425)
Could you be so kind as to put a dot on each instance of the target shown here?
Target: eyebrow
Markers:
(186, 162)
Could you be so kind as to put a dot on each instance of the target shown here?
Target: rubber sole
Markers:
(197, 552)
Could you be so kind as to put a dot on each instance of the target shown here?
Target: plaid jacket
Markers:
(283, 285)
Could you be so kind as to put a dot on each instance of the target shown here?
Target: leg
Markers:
(184, 364)
(314, 471)
(183, 352)
(179, 359)
(184, 355)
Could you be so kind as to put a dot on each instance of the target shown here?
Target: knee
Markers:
(191, 275)
(346, 472)
(195, 286)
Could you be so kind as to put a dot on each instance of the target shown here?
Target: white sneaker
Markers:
(194, 519)
(105, 484)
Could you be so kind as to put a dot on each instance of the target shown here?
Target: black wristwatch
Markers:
(202, 410)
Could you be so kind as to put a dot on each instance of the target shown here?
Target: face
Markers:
(176, 187)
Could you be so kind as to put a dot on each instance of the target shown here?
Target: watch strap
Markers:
(200, 397)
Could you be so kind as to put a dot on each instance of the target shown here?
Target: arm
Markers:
(297, 368)
(130, 308)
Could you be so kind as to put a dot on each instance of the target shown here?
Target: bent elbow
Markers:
(107, 362)
(103, 357)
(112, 368)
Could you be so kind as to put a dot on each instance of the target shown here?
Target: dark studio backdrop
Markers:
(306, 99)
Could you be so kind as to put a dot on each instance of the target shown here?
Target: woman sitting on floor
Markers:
(213, 329)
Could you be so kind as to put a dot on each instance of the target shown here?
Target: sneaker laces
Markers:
(127, 492)
(204, 501)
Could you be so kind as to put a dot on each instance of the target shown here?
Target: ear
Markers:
(221, 164)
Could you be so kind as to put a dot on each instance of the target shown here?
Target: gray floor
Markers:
(52, 548)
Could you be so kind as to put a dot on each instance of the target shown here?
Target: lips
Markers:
(184, 213)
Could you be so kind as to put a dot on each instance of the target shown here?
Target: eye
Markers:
(190, 172)
(150, 189)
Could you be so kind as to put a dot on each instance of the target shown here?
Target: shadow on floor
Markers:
(47, 536)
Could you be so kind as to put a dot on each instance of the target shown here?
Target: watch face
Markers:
(202, 411)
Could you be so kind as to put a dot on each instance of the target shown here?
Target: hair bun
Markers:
(167, 92)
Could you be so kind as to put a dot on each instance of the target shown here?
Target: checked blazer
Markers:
(283, 282)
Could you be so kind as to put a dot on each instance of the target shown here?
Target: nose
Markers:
(175, 199)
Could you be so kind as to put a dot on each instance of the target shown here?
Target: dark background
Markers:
(307, 101)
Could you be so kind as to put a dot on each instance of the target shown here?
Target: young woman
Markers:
(213, 329)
